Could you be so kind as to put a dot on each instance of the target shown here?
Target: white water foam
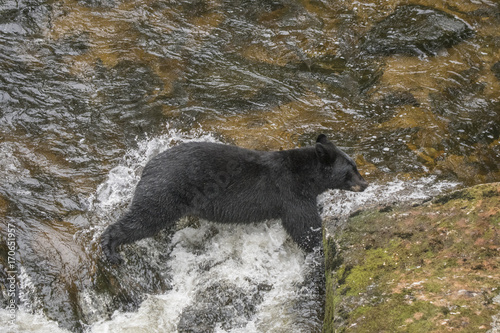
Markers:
(23, 319)
(28, 322)
(341, 204)
(243, 256)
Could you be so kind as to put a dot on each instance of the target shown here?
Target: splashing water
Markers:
(341, 204)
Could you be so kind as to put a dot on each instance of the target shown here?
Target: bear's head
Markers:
(338, 170)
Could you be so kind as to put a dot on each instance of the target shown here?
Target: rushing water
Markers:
(91, 89)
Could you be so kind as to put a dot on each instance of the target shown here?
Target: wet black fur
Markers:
(229, 184)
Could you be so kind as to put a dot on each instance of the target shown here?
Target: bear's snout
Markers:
(360, 185)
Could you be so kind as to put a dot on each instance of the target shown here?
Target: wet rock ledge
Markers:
(428, 267)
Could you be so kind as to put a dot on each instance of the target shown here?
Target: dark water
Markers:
(91, 89)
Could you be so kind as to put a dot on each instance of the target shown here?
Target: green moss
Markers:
(376, 263)
(396, 315)
(433, 286)
(461, 194)
(329, 305)
(331, 258)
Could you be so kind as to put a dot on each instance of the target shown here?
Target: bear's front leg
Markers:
(303, 223)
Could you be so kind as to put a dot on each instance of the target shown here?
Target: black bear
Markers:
(229, 184)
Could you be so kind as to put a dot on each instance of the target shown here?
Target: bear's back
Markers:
(218, 182)
(199, 161)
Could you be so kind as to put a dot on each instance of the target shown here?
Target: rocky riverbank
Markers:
(417, 267)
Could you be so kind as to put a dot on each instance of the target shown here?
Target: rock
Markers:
(398, 98)
(496, 69)
(415, 30)
(220, 304)
(430, 267)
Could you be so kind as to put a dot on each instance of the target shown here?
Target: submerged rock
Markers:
(418, 267)
(398, 98)
(496, 69)
(220, 304)
(415, 30)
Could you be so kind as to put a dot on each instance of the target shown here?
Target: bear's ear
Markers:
(322, 139)
(323, 155)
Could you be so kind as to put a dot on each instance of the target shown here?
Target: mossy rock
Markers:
(430, 268)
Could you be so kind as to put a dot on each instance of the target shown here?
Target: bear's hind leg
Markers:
(110, 239)
(136, 224)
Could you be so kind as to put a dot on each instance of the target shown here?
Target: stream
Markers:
(90, 90)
